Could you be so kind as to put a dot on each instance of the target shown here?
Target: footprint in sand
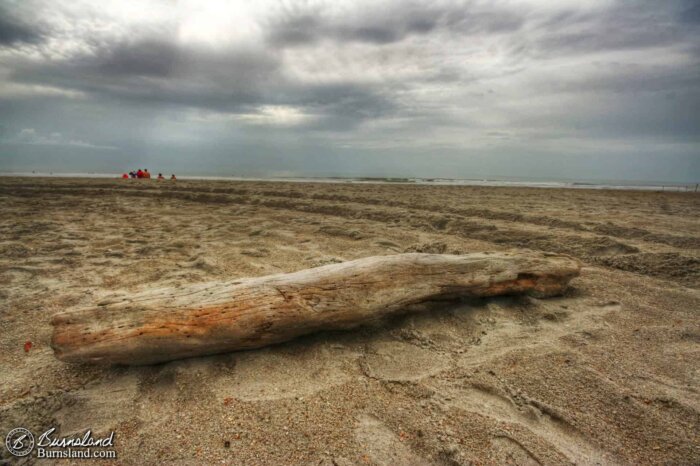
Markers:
(562, 436)
(381, 445)
(397, 361)
(276, 373)
(99, 407)
(505, 450)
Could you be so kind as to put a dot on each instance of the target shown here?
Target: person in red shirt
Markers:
(125, 176)
(139, 174)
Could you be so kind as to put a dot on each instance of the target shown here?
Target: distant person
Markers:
(172, 177)
(125, 176)
(139, 174)
(132, 174)
(160, 176)
(146, 174)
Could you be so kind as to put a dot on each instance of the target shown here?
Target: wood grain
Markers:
(173, 323)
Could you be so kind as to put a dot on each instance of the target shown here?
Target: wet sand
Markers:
(606, 374)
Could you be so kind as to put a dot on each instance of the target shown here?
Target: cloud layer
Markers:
(598, 88)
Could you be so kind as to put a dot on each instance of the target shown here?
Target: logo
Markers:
(19, 442)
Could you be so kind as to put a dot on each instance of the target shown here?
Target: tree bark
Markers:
(173, 323)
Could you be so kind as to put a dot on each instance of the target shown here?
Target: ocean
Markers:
(496, 181)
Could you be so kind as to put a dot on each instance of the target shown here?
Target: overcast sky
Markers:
(586, 89)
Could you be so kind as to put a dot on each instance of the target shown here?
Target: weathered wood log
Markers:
(174, 323)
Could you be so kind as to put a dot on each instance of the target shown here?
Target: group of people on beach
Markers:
(144, 174)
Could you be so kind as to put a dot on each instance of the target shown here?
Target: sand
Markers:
(606, 374)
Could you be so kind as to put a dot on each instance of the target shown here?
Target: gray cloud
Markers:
(152, 58)
(373, 80)
(382, 24)
(628, 25)
(15, 30)
(156, 71)
(159, 72)
(691, 12)
(32, 137)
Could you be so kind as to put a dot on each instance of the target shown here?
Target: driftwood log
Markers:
(173, 323)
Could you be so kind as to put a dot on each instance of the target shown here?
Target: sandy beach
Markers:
(606, 374)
